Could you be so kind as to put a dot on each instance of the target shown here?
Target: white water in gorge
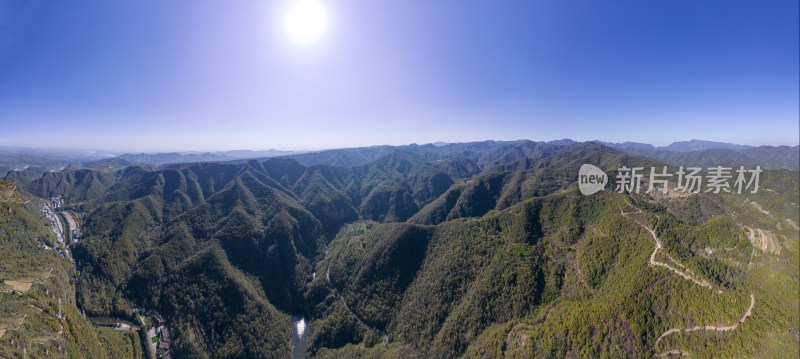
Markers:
(299, 337)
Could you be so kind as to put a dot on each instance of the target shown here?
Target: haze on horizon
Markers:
(157, 76)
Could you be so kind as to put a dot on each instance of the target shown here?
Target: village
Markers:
(153, 324)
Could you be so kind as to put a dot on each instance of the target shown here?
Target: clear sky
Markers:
(155, 75)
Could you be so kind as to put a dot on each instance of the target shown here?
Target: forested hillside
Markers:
(767, 157)
(565, 275)
(480, 249)
(33, 277)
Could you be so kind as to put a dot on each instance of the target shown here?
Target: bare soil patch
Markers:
(764, 240)
(19, 286)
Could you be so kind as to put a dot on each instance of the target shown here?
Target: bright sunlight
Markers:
(305, 21)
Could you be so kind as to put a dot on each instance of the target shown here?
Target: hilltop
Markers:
(448, 250)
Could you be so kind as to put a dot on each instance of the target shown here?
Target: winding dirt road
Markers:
(21, 321)
(709, 327)
(684, 273)
(37, 340)
(10, 194)
(22, 286)
(47, 276)
(24, 315)
(46, 339)
(689, 275)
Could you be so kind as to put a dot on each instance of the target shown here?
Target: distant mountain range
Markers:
(160, 159)
(682, 146)
(707, 154)
(38, 161)
(478, 249)
(686, 153)
(694, 153)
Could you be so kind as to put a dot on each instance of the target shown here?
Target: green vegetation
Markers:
(28, 319)
(571, 280)
(765, 156)
(477, 250)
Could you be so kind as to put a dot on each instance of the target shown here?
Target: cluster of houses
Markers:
(58, 201)
(159, 330)
(162, 332)
(57, 227)
(54, 222)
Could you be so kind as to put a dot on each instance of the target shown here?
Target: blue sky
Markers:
(152, 75)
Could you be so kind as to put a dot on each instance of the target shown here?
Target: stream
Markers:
(299, 337)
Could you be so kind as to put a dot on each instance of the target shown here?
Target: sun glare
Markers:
(305, 21)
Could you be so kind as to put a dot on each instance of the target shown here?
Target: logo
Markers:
(591, 179)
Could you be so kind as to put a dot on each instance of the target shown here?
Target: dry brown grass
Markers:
(764, 240)
(19, 286)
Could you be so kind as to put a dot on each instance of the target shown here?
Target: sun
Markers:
(305, 21)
